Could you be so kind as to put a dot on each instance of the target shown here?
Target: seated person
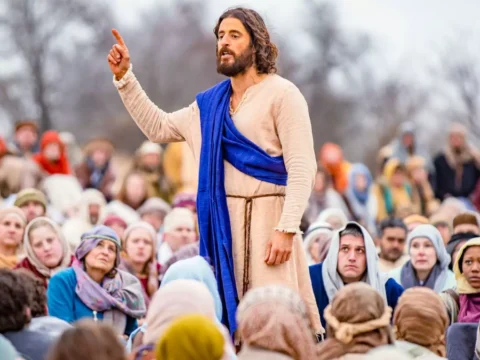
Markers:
(463, 302)
(428, 264)
(352, 257)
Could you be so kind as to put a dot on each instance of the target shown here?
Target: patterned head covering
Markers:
(91, 239)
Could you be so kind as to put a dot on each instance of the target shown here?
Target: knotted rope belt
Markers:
(247, 240)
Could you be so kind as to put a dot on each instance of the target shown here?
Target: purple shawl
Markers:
(469, 308)
(122, 293)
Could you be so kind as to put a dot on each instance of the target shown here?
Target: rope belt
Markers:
(248, 237)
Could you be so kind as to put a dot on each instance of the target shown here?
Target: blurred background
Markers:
(365, 66)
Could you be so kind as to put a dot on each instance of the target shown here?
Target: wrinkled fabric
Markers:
(275, 318)
(421, 318)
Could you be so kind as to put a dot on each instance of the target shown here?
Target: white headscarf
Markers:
(332, 212)
(41, 268)
(312, 233)
(331, 278)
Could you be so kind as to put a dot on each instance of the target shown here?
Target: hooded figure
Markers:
(439, 278)
(332, 159)
(91, 212)
(358, 320)
(361, 201)
(406, 145)
(393, 192)
(317, 242)
(52, 157)
(327, 278)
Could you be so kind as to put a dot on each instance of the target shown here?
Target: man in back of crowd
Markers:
(179, 230)
(25, 139)
(392, 237)
(351, 258)
(16, 315)
(33, 203)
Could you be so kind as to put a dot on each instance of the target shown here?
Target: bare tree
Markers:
(460, 71)
(37, 32)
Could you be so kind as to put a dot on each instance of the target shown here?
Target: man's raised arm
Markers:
(157, 125)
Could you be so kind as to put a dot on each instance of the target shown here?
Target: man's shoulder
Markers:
(282, 83)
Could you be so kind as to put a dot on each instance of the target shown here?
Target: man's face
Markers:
(26, 137)
(457, 141)
(100, 157)
(392, 243)
(352, 260)
(408, 140)
(32, 210)
(94, 213)
(235, 53)
(182, 235)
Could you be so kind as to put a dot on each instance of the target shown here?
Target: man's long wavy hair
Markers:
(265, 51)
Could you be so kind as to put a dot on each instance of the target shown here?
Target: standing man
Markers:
(252, 139)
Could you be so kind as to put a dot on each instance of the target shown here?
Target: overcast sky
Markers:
(402, 30)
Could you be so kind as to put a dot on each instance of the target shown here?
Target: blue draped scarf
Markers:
(222, 141)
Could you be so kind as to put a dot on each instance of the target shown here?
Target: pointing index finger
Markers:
(118, 37)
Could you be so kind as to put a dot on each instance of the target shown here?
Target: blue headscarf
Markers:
(196, 268)
(360, 169)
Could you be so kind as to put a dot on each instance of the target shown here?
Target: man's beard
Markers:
(240, 65)
(391, 255)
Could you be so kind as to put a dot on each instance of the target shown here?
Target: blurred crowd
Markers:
(99, 259)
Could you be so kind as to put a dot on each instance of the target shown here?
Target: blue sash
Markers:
(222, 141)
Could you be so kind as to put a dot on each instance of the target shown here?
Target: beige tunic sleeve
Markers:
(295, 134)
(157, 125)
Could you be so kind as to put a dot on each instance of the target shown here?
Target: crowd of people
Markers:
(95, 264)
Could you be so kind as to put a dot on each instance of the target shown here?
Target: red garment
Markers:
(59, 167)
(27, 265)
(3, 147)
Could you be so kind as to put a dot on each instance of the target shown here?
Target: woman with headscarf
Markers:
(134, 190)
(392, 191)
(172, 301)
(139, 257)
(359, 196)
(12, 225)
(52, 157)
(95, 288)
(463, 303)
(421, 323)
(428, 264)
(273, 324)
(358, 320)
(335, 217)
(47, 249)
(423, 196)
(182, 340)
(317, 242)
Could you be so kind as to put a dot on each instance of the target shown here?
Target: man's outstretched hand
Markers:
(279, 248)
(118, 58)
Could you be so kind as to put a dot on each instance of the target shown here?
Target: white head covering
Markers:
(443, 257)
(312, 233)
(331, 278)
(41, 268)
(178, 217)
(332, 212)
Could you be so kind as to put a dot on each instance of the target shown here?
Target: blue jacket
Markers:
(64, 303)
(392, 289)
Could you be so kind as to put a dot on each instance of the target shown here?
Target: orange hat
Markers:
(49, 137)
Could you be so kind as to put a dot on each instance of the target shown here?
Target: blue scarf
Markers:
(222, 141)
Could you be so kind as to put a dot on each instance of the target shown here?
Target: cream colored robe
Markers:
(274, 115)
